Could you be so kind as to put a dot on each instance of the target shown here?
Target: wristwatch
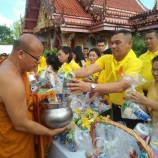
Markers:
(93, 86)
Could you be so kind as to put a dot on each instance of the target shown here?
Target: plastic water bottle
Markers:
(33, 83)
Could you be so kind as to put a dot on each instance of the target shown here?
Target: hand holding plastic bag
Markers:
(130, 109)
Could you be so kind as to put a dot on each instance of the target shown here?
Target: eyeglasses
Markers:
(37, 59)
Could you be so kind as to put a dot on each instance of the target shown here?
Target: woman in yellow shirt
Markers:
(93, 55)
(78, 56)
(64, 54)
(151, 101)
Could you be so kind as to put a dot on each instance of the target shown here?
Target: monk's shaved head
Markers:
(26, 42)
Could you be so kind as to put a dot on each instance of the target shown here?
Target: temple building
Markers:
(81, 22)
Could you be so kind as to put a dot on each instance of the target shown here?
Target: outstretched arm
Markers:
(13, 95)
(114, 87)
(87, 71)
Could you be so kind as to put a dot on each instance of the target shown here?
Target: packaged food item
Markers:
(99, 105)
(51, 96)
(59, 85)
(132, 110)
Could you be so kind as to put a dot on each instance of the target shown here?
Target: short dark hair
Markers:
(96, 51)
(125, 32)
(86, 48)
(152, 31)
(100, 40)
(52, 60)
(155, 59)
(66, 50)
(79, 55)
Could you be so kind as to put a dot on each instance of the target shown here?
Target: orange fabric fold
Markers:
(20, 144)
(12, 142)
(42, 142)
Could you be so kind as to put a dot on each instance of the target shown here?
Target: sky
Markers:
(11, 10)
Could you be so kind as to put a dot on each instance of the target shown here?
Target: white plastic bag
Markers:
(130, 109)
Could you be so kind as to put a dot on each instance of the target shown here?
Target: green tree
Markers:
(51, 51)
(17, 28)
(138, 43)
(6, 36)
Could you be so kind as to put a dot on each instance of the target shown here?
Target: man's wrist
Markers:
(93, 87)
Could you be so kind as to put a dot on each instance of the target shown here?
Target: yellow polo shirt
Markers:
(42, 64)
(147, 67)
(94, 76)
(72, 66)
(87, 63)
(115, 70)
(152, 94)
(102, 79)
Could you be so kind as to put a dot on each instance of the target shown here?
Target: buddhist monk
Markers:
(19, 131)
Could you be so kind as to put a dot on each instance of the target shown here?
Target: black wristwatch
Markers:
(93, 86)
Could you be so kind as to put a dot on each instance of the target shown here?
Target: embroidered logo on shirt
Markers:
(120, 71)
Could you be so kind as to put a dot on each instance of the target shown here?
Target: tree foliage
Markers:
(51, 51)
(138, 43)
(17, 28)
(6, 36)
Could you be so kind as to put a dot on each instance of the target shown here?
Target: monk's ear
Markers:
(21, 54)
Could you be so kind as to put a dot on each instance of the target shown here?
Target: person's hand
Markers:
(87, 80)
(46, 85)
(54, 132)
(136, 97)
(77, 86)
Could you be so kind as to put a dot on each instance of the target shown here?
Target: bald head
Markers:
(26, 42)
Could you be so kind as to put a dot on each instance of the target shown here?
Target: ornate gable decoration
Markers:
(156, 5)
(98, 12)
(49, 6)
(50, 9)
(46, 18)
(58, 20)
(42, 21)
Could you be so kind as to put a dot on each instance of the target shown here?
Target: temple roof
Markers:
(82, 13)
(71, 7)
(129, 5)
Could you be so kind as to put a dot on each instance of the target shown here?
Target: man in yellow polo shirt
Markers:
(151, 42)
(123, 61)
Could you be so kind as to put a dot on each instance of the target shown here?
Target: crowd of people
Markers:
(98, 70)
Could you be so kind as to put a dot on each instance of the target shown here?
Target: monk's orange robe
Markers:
(16, 144)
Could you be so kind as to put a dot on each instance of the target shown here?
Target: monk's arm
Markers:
(14, 99)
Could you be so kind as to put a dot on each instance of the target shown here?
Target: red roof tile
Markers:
(130, 5)
(71, 7)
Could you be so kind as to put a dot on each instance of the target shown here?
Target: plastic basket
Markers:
(140, 141)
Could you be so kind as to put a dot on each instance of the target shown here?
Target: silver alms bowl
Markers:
(45, 105)
(56, 118)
